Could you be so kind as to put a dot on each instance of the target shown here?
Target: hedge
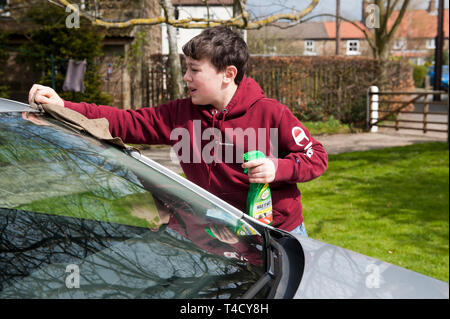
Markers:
(314, 88)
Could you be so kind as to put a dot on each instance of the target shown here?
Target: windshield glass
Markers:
(68, 199)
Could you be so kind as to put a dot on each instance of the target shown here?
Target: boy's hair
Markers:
(222, 47)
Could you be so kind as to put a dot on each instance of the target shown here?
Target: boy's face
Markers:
(204, 82)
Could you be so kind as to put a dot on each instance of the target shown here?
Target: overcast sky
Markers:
(351, 9)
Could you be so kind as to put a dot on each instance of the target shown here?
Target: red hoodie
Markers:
(247, 123)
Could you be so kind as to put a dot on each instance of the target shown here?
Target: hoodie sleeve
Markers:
(143, 126)
(301, 157)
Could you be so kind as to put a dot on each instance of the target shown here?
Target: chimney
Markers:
(432, 7)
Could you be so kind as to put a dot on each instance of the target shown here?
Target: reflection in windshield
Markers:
(174, 247)
(115, 261)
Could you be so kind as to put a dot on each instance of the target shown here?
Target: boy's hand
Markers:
(223, 234)
(44, 94)
(260, 170)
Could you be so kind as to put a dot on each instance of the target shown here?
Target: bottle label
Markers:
(262, 208)
(259, 198)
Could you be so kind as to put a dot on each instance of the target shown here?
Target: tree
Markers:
(53, 44)
(241, 20)
(380, 38)
(382, 22)
(176, 86)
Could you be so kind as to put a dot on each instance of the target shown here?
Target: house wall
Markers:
(185, 12)
(323, 47)
(416, 50)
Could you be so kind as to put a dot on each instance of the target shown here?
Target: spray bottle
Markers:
(259, 198)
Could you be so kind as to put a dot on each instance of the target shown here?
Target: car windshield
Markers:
(74, 207)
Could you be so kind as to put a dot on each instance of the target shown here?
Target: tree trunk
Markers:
(238, 6)
(176, 77)
(338, 29)
(384, 36)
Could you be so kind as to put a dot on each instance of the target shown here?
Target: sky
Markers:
(350, 9)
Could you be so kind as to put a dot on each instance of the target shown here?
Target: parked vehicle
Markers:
(83, 218)
(444, 78)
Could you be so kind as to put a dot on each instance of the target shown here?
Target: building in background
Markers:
(184, 9)
(414, 39)
(416, 35)
(118, 79)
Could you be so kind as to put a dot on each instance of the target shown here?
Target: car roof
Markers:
(14, 106)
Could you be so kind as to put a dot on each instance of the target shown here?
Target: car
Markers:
(444, 78)
(82, 217)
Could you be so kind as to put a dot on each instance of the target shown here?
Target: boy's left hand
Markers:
(260, 170)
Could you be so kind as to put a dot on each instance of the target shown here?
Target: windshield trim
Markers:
(10, 106)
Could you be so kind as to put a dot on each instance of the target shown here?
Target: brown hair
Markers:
(222, 47)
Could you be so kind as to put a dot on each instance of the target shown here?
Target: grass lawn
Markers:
(330, 126)
(391, 204)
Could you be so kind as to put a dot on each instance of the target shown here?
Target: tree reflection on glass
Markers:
(68, 199)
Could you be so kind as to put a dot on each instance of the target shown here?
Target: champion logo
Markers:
(299, 135)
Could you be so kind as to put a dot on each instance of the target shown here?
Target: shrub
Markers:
(419, 73)
(314, 88)
(53, 38)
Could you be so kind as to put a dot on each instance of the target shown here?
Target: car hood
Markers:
(334, 272)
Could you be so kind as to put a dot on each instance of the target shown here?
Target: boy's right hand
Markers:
(44, 94)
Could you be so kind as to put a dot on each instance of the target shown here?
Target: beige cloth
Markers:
(99, 128)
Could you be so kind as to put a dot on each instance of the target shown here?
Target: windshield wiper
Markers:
(272, 262)
(284, 263)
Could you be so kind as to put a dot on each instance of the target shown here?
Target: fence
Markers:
(314, 88)
(410, 110)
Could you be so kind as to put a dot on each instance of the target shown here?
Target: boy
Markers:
(227, 114)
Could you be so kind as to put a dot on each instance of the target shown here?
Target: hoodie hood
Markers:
(247, 93)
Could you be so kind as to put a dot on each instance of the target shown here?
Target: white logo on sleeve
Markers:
(299, 136)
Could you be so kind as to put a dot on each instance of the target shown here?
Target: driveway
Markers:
(334, 144)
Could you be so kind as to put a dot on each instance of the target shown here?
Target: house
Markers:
(414, 39)
(416, 34)
(118, 79)
(184, 9)
(309, 38)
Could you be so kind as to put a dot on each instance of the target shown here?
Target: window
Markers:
(431, 43)
(400, 44)
(353, 47)
(309, 48)
(4, 11)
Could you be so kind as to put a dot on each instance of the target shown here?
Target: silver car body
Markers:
(328, 271)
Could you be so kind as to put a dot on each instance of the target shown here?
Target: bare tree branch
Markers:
(241, 21)
(399, 19)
